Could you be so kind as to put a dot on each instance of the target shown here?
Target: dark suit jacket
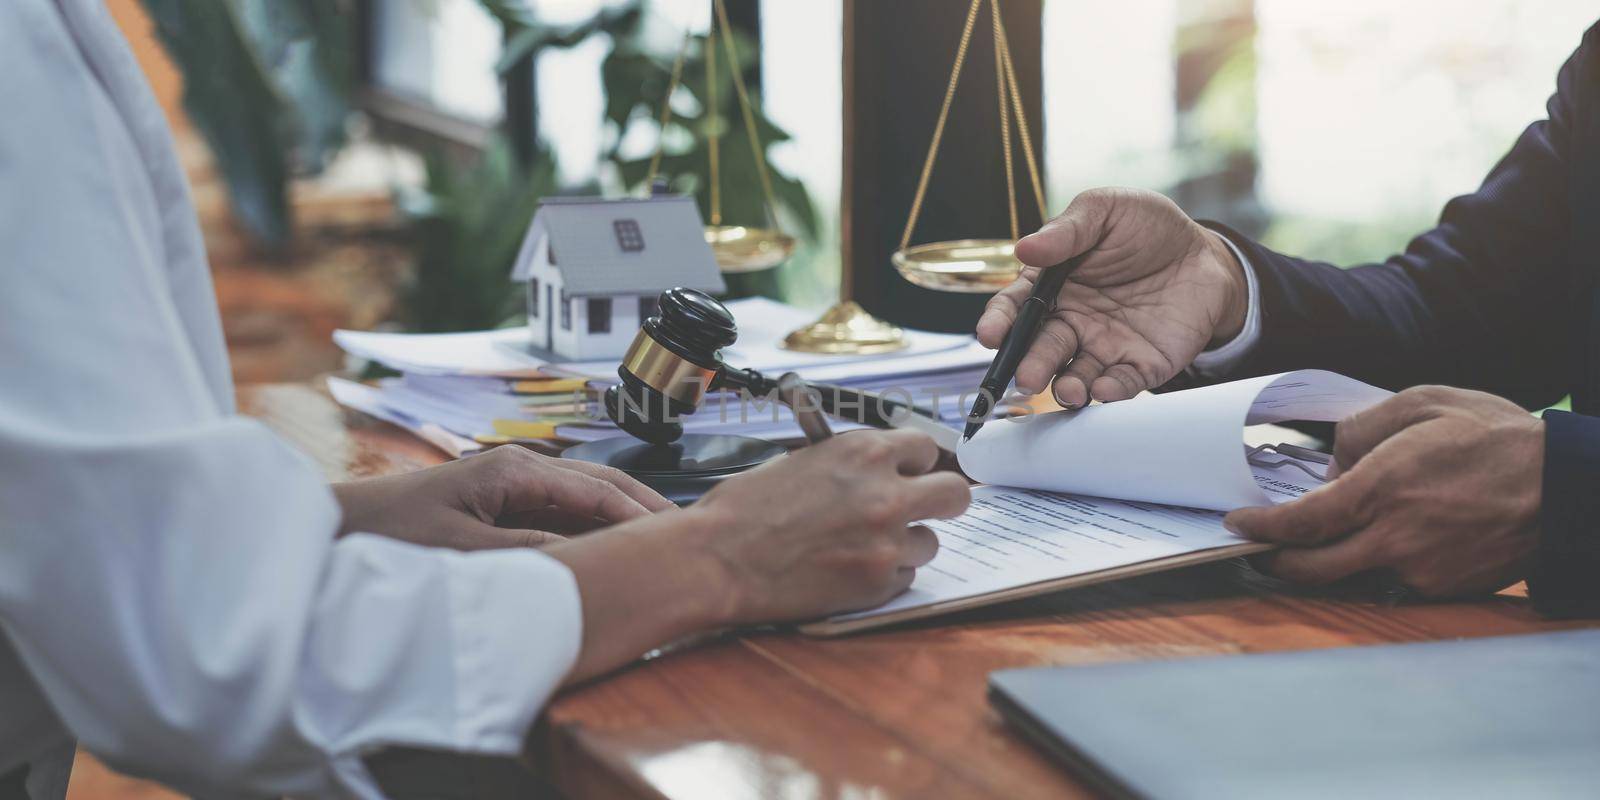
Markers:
(1502, 296)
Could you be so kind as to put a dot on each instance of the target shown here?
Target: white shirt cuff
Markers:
(478, 644)
(518, 620)
(1222, 360)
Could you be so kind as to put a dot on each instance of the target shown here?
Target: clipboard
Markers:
(826, 628)
(1267, 455)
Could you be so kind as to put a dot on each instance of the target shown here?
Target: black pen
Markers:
(1019, 339)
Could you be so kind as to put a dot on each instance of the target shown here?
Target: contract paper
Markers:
(1012, 538)
(1180, 448)
(1117, 485)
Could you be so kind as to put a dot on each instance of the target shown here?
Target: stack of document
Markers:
(462, 391)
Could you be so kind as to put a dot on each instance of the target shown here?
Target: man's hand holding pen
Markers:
(1153, 290)
(1438, 486)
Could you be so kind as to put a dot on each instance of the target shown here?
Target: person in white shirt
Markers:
(183, 596)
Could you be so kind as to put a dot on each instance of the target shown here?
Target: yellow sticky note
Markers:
(551, 386)
(522, 429)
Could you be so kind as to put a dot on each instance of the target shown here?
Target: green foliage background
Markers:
(269, 84)
(636, 79)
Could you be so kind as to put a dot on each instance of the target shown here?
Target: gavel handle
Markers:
(842, 402)
(867, 408)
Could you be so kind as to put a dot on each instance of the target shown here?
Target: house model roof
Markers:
(634, 245)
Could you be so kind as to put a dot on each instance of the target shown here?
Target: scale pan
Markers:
(742, 249)
(965, 265)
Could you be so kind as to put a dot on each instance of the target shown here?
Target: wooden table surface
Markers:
(894, 713)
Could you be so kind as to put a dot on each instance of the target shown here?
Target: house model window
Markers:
(599, 315)
(617, 256)
(629, 237)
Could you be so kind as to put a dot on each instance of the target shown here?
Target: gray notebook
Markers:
(1502, 717)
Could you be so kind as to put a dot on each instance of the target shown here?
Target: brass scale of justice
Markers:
(680, 347)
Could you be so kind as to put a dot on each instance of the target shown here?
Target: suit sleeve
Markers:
(1566, 574)
(1492, 298)
(1484, 300)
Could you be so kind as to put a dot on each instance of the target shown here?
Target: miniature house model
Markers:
(594, 268)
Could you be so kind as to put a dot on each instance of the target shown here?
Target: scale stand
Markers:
(965, 265)
(844, 329)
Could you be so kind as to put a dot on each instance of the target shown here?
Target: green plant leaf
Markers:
(306, 48)
(466, 227)
(636, 79)
(233, 103)
(526, 36)
(267, 83)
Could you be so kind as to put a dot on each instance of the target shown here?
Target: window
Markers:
(533, 295)
(566, 311)
(648, 306)
(599, 315)
(629, 237)
(440, 54)
(1269, 108)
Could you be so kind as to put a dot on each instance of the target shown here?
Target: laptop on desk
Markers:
(1502, 717)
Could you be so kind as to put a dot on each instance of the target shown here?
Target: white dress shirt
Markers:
(1222, 360)
(171, 593)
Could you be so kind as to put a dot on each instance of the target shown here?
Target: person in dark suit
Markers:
(1451, 484)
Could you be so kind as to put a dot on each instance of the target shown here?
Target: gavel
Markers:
(676, 359)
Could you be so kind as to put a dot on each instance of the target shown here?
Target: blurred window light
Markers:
(439, 52)
(571, 104)
(1371, 108)
(1367, 115)
(802, 62)
(1109, 116)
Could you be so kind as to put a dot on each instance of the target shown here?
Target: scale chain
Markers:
(745, 108)
(1005, 121)
(938, 128)
(714, 119)
(1008, 85)
(1022, 120)
(666, 109)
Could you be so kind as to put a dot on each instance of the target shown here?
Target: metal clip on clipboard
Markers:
(1282, 454)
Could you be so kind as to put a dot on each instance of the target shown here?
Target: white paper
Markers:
(902, 367)
(945, 436)
(469, 405)
(457, 417)
(1179, 448)
(724, 412)
(1011, 538)
(369, 400)
(762, 325)
(496, 352)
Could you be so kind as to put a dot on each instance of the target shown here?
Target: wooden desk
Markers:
(891, 714)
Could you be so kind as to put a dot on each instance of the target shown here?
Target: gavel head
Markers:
(670, 364)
